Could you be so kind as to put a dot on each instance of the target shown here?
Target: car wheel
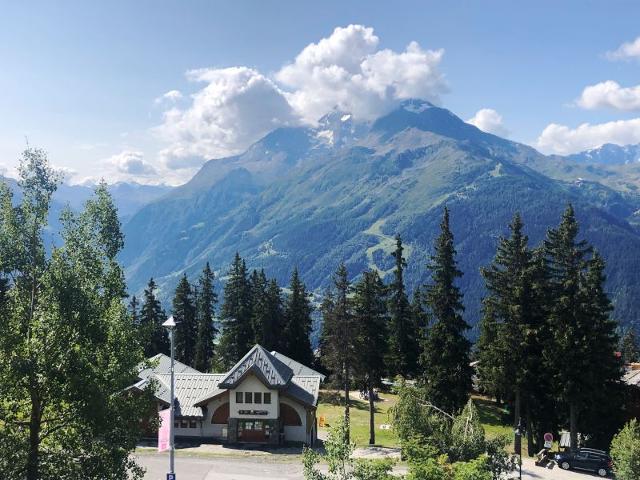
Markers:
(565, 465)
(602, 472)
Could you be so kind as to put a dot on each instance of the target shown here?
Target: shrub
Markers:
(625, 452)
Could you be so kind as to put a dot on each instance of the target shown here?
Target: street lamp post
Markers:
(519, 432)
(170, 325)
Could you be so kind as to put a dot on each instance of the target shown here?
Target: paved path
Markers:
(257, 467)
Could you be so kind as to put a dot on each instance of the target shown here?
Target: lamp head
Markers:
(170, 323)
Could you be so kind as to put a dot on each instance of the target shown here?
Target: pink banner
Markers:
(163, 430)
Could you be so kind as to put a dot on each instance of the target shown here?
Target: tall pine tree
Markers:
(403, 336)
(445, 355)
(297, 322)
(370, 319)
(236, 314)
(629, 346)
(513, 314)
(340, 336)
(152, 317)
(205, 314)
(582, 334)
(184, 314)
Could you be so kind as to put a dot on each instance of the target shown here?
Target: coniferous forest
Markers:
(547, 348)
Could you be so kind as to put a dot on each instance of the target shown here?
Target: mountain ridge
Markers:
(315, 204)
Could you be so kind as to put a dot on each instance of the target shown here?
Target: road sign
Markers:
(548, 440)
(171, 476)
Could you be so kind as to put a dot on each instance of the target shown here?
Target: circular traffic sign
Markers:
(548, 437)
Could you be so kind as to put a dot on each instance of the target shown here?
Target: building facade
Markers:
(265, 398)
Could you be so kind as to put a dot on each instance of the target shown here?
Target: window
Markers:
(257, 397)
(184, 424)
(247, 397)
(192, 424)
(267, 398)
(239, 397)
(176, 424)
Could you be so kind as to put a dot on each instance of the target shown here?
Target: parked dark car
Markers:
(586, 459)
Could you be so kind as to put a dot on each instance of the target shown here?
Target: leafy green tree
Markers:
(629, 347)
(625, 451)
(340, 336)
(297, 322)
(338, 455)
(370, 319)
(236, 315)
(152, 317)
(205, 314)
(467, 434)
(68, 346)
(403, 336)
(445, 355)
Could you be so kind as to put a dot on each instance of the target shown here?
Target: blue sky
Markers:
(85, 80)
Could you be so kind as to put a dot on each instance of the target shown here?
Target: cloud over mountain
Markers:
(490, 121)
(563, 140)
(238, 105)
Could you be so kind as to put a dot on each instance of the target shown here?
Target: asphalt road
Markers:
(255, 467)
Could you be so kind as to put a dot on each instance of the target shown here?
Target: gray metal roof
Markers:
(272, 371)
(195, 389)
(190, 387)
(632, 377)
(304, 389)
(161, 363)
(297, 367)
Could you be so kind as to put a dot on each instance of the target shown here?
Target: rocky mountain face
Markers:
(341, 191)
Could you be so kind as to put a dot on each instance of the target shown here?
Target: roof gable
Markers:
(271, 371)
(298, 368)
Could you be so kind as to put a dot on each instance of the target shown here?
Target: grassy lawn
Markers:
(330, 406)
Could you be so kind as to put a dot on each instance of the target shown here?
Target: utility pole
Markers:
(170, 325)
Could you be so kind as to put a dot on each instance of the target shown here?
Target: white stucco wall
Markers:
(296, 434)
(252, 384)
(209, 429)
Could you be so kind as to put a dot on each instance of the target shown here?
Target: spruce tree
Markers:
(578, 321)
(236, 315)
(152, 317)
(205, 314)
(603, 392)
(340, 336)
(403, 341)
(184, 314)
(445, 355)
(629, 347)
(297, 322)
(133, 310)
(511, 315)
(370, 319)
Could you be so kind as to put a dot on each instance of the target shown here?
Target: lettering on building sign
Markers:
(253, 412)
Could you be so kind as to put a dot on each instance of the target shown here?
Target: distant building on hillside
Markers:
(632, 380)
(265, 398)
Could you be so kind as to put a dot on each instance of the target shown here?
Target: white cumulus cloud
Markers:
(610, 94)
(626, 51)
(348, 70)
(131, 163)
(170, 96)
(563, 140)
(490, 121)
(236, 106)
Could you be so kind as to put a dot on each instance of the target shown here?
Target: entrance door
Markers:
(251, 431)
